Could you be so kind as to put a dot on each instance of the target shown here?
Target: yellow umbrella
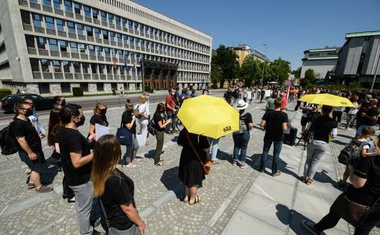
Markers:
(327, 99)
(209, 116)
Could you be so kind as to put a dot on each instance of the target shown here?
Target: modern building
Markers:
(359, 58)
(50, 46)
(321, 60)
(243, 50)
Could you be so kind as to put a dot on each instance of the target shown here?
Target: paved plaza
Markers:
(234, 200)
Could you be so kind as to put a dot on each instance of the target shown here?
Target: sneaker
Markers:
(309, 225)
(44, 189)
(31, 185)
(278, 173)
(131, 165)
(234, 163)
(243, 165)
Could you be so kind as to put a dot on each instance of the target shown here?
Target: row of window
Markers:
(122, 55)
(109, 35)
(112, 19)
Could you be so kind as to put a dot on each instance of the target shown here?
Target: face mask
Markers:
(173, 93)
(28, 112)
(81, 122)
(102, 112)
(63, 103)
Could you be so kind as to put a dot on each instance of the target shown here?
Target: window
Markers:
(94, 68)
(65, 87)
(45, 66)
(34, 65)
(110, 18)
(130, 24)
(118, 35)
(49, 22)
(63, 45)
(99, 50)
(57, 66)
(76, 67)
(97, 32)
(57, 4)
(100, 86)
(109, 69)
(47, 3)
(80, 28)
(101, 68)
(25, 17)
(87, 11)
(131, 40)
(71, 26)
(53, 44)
(117, 20)
(66, 66)
(104, 16)
(73, 47)
(123, 22)
(82, 48)
(84, 86)
(112, 36)
(41, 42)
(125, 39)
(106, 51)
(91, 49)
(60, 24)
(89, 31)
(77, 8)
(68, 6)
(95, 13)
(37, 20)
(29, 41)
(105, 34)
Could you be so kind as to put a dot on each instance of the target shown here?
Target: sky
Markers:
(288, 27)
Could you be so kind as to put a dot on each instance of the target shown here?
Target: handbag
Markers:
(124, 136)
(207, 164)
(352, 212)
(152, 130)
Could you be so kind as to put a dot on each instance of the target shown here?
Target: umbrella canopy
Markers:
(209, 116)
(327, 99)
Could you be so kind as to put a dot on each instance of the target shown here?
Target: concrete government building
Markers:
(50, 46)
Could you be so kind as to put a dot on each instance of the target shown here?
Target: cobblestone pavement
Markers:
(158, 191)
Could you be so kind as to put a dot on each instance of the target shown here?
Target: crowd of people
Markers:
(93, 174)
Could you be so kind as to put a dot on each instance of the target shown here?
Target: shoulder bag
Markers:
(207, 164)
(124, 136)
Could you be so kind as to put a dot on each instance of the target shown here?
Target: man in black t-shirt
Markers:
(369, 117)
(76, 162)
(30, 149)
(275, 123)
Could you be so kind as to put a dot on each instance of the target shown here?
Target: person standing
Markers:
(143, 115)
(128, 120)
(160, 125)
(170, 109)
(275, 123)
(352, 111)
(370, 116)
(30, 148)
(99, 117)
(241, 137)
(76, 162)
(324, 129)
(190, 170)
(115, 189)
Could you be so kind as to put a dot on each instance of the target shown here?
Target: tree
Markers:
(215, 73)
(250, 71)
(280, 70)
(226, 63)
(297, 72)
(309, 79)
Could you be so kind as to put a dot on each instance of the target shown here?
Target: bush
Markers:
(77, 91)
(5, 92)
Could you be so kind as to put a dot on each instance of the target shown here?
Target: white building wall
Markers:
(320, 67)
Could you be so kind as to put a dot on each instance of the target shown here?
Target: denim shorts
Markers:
(33, 164)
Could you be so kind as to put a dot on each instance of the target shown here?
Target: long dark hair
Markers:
(160, 108)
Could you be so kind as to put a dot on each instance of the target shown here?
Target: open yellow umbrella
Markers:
(209, 116)
(327, 99)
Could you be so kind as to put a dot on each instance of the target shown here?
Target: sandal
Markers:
(186, 199)
(215, 162)
(303, 178)
(308, 181)
(196, 200)
(160, 163)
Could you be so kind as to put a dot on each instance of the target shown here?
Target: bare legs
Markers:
(191, 195)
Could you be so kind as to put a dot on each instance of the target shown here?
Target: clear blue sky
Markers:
(288, 27)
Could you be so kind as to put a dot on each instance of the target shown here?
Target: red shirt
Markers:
(169, 103)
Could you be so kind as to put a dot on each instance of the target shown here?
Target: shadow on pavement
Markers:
(221, 155)
(323, 177)
(171, 181)
(48, 176)
(150, 153)
(339, 142)
(345, 136)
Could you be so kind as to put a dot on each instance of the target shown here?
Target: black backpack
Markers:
(242, 126)
(351, 151)
(8, 142)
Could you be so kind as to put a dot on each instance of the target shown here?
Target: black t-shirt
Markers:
(247, 119)
(157, 118)
(368, 168)
(273, 126)
(127, 118)
(21, 128)
(70, 141)
(119, 189)
(373, 111)
(323, 125)
(101, 120)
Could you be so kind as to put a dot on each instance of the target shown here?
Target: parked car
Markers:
(40, 103)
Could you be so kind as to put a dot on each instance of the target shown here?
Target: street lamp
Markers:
(265, 55)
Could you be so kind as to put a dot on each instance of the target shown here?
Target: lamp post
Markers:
(265, 55)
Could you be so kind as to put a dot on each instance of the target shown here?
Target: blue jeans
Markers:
(277, 146)
(214, 147)
(240, 143)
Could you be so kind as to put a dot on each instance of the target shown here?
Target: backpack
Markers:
(351, 151)
(151, 127)
(8, 141)
(242, 126)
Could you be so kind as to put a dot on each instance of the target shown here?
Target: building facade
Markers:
(50, 46)
(243, 50)
(321, 60)
(359, 58)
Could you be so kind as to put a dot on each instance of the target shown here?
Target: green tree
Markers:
(249, 71)
(226, 63)
(297, 72)
(215, 73)
(309, 79)
(280, 70)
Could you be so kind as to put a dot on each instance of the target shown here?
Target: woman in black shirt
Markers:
(160, 125)
(114, 188)
(128, 120)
